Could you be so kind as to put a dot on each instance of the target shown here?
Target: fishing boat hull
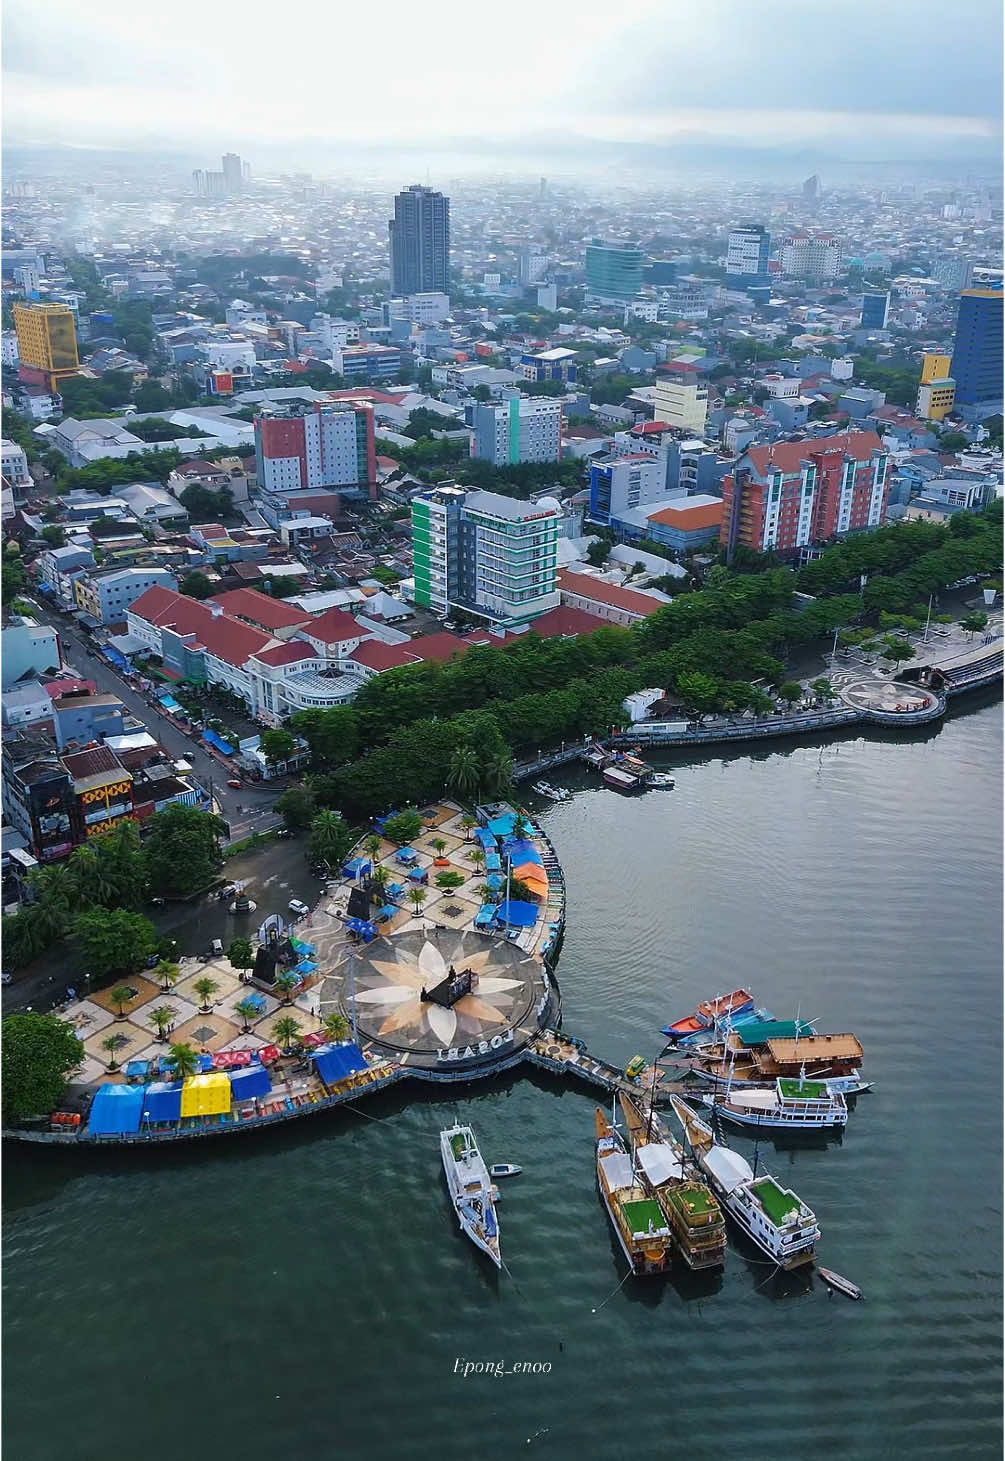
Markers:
(649, 1252)
(505, 1169)
(835, 1118)
(842, 1285)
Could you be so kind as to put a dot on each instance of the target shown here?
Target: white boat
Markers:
(505, 1169)
(470, 1189)
(771, 1215)
(554, 793)
(788, 1105)
(663, 780)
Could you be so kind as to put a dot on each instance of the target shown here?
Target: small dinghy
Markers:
(843, 1285)
(505, 1169)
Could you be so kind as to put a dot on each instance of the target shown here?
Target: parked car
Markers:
(234, 781)
(300, 909)
(284, 834)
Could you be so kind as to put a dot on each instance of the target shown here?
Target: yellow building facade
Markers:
(47, 339)
(935, 365)
(936, 399)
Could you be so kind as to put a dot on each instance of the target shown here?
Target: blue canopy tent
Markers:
(388, 911)
(136, 1069)
(219, 744)
(301, 947)
(503, 826)
(248, 1081)
(335, 1063)
(517, 913)
(359, 867)
(518, 849)
(116, 1110)
(305, 967)
(496, 881)
(397, 890)
(418, 875)
(204, 1063)
(493, 862)
(163, 1102)
(486, 839)
(366, 930)
(486, 916)
(405, 855)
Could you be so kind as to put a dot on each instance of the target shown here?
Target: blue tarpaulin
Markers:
(211, 737)
(486, 839)
(363, 927)
(493, 862)
(503, 826)
(163, 1102)
(485, 916)
(248, 1081)
(418, 875)
(305, 967)
(115, 656)
(388, 911)
(257, 1001)
(405, 855)
(519, 850)
(381, 822)
(116, 1109)
(169, 702)
(335, 1062)
(359, 867)
(137, 1068)
(496, 881)
(517, 914)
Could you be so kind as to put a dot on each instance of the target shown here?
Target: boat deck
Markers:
(776, 1202)
(642, 1212)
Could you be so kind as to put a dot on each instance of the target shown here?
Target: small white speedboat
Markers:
(505, 1169)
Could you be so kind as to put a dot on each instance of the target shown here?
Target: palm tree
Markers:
(478, 856)
(418, 897)
(163, 1017)
(184, 1061)
(521, 827)
(439, 846)
(497, 774)
(121, 996)
(287, 981)
(285, 1030)
(247, 1008)
(336, 1027)
(468, 823)
(168, 974)
(463, 775)
(112, 1043)
(487, 893)
(373, 844)
(205, 988)
(330, 838)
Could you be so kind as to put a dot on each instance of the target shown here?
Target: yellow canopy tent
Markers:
(206, 1095)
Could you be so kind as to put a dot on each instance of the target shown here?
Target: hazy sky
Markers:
(886, 78)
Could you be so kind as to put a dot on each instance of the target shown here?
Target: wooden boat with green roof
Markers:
(771, 1215)
(694, 1215)
(638, 1220)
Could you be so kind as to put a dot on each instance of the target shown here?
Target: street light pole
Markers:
(928, 621)
(834, 647)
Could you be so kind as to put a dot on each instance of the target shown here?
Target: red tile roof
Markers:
(650, 428)
(788, 456)
(564, 622)
(260, 609)
(368, 395)
(89, 763)
(287, 654)
(376, 655)
(227, 638)
(583, 586)
(332, 626)
(440, 646)
(702, 515)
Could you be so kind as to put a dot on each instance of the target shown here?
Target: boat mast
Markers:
(652, 1104)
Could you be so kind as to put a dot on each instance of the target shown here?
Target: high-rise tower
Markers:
(419, 235)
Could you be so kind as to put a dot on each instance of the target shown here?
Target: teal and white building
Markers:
(517, 430)
(486, 554)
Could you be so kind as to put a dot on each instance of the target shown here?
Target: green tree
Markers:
(113, 941)
(332, 735)
(183, 1060)
(418, 897)
(241, 953)
(120, 997)
(439, 846)
(277, 746)
(331, 838)
(336, 1027)
(791, 692)
(285, 1030)
(373, 844)
(39, 1053)
(288, 983)
(468, 824)
(464, 776)
(699, 693)
(896, 650)
(297, 807)
(167, 974)
(162, 1018)
(113, 1044)
(497, 774)
(248, 1009)
(196, 585)
(14, 577)
(183, 849)
(450, 880)
(55, 535)
(822, 689)
(403, 827)
(205, 988)
(974, 623)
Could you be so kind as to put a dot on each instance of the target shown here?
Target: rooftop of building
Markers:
(269, 613)
(788, 456)
(332, 627)
(289, 653)
(585, 586)
(690, 513)
(223, 636)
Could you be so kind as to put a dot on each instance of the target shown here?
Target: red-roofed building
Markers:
(321, 444)
(605, 600)
(335, 633)
(794, 493)
(272, 615)
(292, 652)
(374, 656)
(440, 647)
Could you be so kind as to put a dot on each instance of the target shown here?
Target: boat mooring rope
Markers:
(610, 1296)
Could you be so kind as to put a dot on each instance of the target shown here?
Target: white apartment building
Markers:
(681, 400)
(517, 430)
(811, 256)
(14, 464)
(421, 309)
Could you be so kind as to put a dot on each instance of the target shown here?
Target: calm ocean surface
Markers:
(307, 1293)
